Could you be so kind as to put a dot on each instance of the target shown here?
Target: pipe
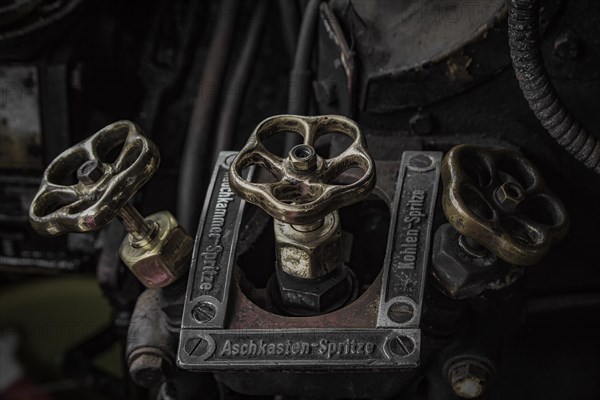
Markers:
(290, 24)
(191, 174)
(240, 81)
(528, 63)
(301, 74)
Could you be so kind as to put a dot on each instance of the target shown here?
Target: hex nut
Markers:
(309, 254)
(165, 258)
(314, 296)
(457, 273)
(469, 378)
(303, 158)
(509, 195)
(90, 172)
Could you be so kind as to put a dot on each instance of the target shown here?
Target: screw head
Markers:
(401, 312)
(421, 163)
(203, 312)
(195, 347)
(89, 172)
(402, 346)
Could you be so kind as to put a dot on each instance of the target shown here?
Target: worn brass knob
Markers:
(498, 198)
(304, 191)
(87, 185)
(91, 183)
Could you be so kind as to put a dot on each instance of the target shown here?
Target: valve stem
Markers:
(141, 230)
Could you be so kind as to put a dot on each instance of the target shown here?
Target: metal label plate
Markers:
(409, 240)
(206, 346)
(214, 251)
(301, 349)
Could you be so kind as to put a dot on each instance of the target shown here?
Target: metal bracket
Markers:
(210, 346)
(214, 251)
(409, 240)
(306, 349)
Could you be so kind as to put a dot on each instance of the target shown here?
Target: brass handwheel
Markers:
(84, 187)
(499, 199)
(304, 191)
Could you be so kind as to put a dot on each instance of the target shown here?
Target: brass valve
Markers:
(87, 186)
(304, 192)
(303, 202)
(498, 198)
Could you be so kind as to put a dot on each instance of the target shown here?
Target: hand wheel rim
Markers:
(60, 206)
(326, 197)
(512, 234)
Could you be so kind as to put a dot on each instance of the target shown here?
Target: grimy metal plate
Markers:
(205, 346)
(307, 349)
(214, 251)
(409, 240)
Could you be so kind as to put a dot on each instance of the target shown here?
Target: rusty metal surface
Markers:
(362, 313)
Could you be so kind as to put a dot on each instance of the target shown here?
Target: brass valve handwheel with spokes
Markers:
(498, 198)
(304, 191)
(85, 187)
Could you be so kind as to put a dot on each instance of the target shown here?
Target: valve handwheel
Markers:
(499, 199)
(87, 185)
(305, 191)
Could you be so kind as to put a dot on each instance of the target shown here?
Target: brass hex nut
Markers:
(165, 258)
(309, 252)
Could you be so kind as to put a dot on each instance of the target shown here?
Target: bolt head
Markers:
(402, 346)
(509, 195)
(204, 312)
(468, 378)
(303, 158)
(401, 312)
(89, 172)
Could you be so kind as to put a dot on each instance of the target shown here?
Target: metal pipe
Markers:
(301, 75)
(191, 185)
(240, 81)
(290, 24)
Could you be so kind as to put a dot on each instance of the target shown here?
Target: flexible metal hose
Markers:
(528, 63)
